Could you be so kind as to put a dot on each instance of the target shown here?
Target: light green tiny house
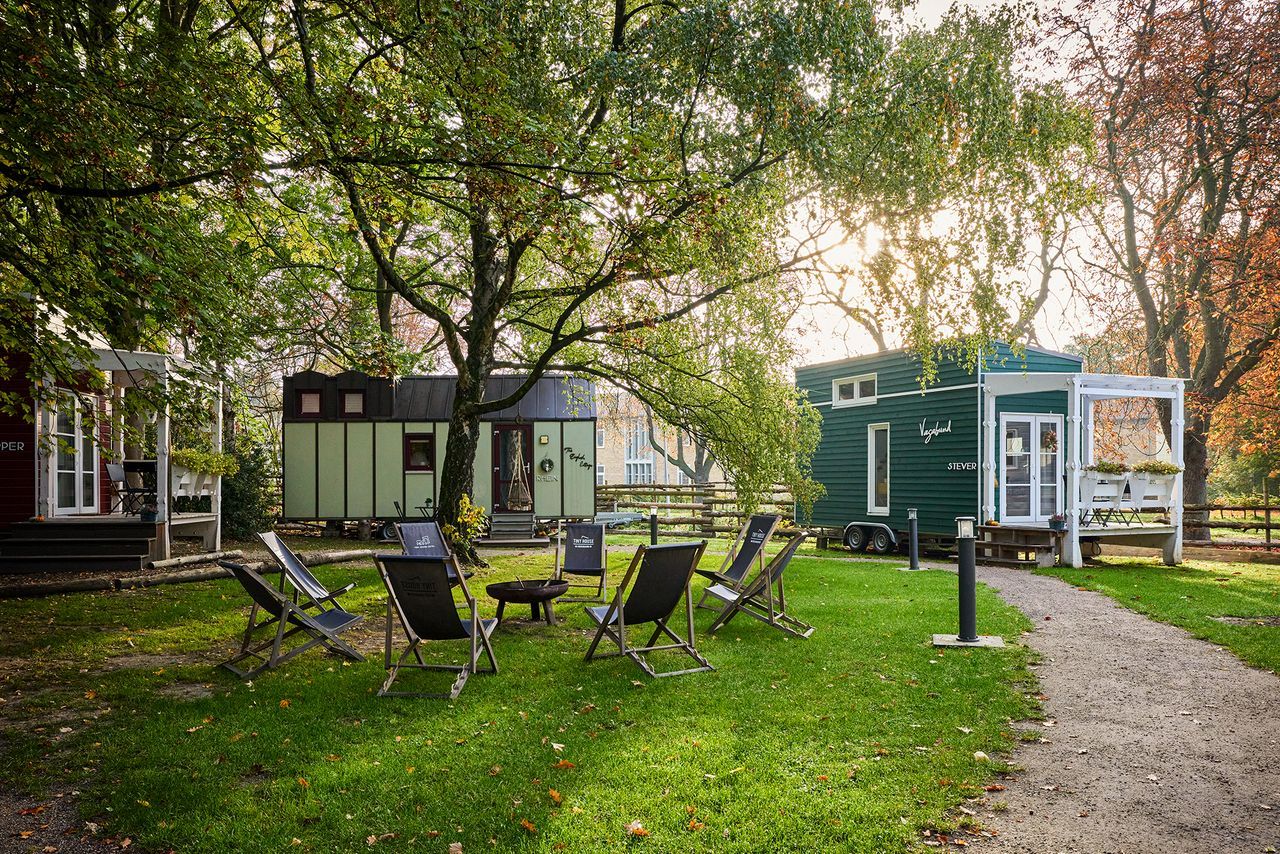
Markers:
(356, 446)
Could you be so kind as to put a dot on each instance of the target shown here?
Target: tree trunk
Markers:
(458, 472)
(1195, 476)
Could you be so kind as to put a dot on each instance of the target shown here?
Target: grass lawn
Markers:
(853, 740)
(1192, 595)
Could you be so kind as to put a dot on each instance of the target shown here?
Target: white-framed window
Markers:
(599, 474)
(854, 391)
(599, 437)
(638, 471)
(878, 469)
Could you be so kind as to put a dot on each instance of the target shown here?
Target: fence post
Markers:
(1266, 508)
(653, 527)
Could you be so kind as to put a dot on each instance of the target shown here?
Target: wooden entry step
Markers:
(511, 526)
(1015, 545)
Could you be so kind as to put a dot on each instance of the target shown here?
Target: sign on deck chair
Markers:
(581, 550)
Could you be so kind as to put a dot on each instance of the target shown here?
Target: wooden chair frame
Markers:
(559, 573)
(756, 599)
(616, 616)
(721, 575)
(479, 637)
(284, 613)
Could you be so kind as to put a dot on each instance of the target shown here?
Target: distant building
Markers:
(625, 453)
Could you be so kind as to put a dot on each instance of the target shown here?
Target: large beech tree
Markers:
(583, 178)
(1186, 96)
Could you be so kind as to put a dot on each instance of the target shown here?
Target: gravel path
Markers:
(1154, 741)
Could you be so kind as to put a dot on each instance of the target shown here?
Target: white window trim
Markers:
(600, 474)
(872, 509)
(1035, 418)
(837, 403)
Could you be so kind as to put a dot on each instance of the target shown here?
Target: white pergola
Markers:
(128, 368)
(1083, 390)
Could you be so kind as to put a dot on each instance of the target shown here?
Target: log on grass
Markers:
(50, 588)
(188, 560)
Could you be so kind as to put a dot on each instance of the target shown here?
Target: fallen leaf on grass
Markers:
(993, 787)
(302, 781)
(455, 848)
(563, 764)
(495, 770)
(555, 796)
(557, 747)
(528, 825)
(635, 828)
(694, 824)
(284, 704)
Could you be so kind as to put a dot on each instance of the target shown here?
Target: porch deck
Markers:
(1036, 544)
(105, 542)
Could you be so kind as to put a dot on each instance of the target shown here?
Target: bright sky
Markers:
(826, 334)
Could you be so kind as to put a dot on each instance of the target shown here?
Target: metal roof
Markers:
(553, 398)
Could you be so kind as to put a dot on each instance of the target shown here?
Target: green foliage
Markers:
(1156, 467)
(1108, 467)
(468, 527)
(204, 462)
(249, 498)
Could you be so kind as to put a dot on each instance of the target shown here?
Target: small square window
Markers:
(854, 391)
(600, 437)
(600, 474)
(419, 452)
(309, 404)
(352, 403)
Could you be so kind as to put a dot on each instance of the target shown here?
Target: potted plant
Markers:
(192, 471)
(148, 513)
(1152, 478)
(1057, 522)
(1104, 479)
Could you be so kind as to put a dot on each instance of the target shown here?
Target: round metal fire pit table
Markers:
(532, 593)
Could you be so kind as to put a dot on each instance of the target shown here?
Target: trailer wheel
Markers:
(856, 539)
(881, 542)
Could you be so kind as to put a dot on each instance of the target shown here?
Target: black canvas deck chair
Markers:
(747, 548)
(425, 539)
(661, 576)
(289, 619)
(762, 597)
(311, 593)
(419, 594)
(581, 551)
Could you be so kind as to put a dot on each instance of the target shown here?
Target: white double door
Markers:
(75, 474)
(1030, 467)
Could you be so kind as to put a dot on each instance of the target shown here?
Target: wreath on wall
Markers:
(1049, 441)
(547, 465)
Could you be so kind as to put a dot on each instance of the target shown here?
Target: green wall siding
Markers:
(483, 495)
(547, 486)
(360, 470)
(332, 471)
(299, 471)
(940, 478)
(579, 467)
(388, 467)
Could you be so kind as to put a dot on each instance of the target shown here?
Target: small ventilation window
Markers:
(309, 404)
(352, 404)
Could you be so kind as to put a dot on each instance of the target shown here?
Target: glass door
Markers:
(512, 466)
(75, 479)
(1030, 468)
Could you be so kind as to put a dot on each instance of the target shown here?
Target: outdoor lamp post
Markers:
(966, 548)
(968, 558)
(913, 539)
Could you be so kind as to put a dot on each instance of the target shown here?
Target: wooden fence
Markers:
(693, 510)
(1262, 517)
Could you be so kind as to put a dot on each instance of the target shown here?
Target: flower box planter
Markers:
(1101, 491)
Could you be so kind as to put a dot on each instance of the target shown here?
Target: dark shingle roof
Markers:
(552, 398)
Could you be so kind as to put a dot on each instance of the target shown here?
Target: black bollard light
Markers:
(653, 528)
(913, 539)
(968, 557)
(966, 548)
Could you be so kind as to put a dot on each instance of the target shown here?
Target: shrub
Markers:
(1108, 467)
(1156, 467)
(470, 524)
(204, 462)
(248, 494)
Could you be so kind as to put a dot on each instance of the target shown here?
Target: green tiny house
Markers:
(1007, 442)
(355, 446)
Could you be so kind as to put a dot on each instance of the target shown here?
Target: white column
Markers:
(46, 453)
(1086, 452)
(1071, 554)
(215, 502)
(162, 467)
(1173, 549)
(989, 445)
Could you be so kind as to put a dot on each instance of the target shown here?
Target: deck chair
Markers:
(314, 595)
(125, 498)
(757, 598)
(425, 539)
(661, 575)
(746, 548)
(419, 594)
(585, 554)
(289, 619)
